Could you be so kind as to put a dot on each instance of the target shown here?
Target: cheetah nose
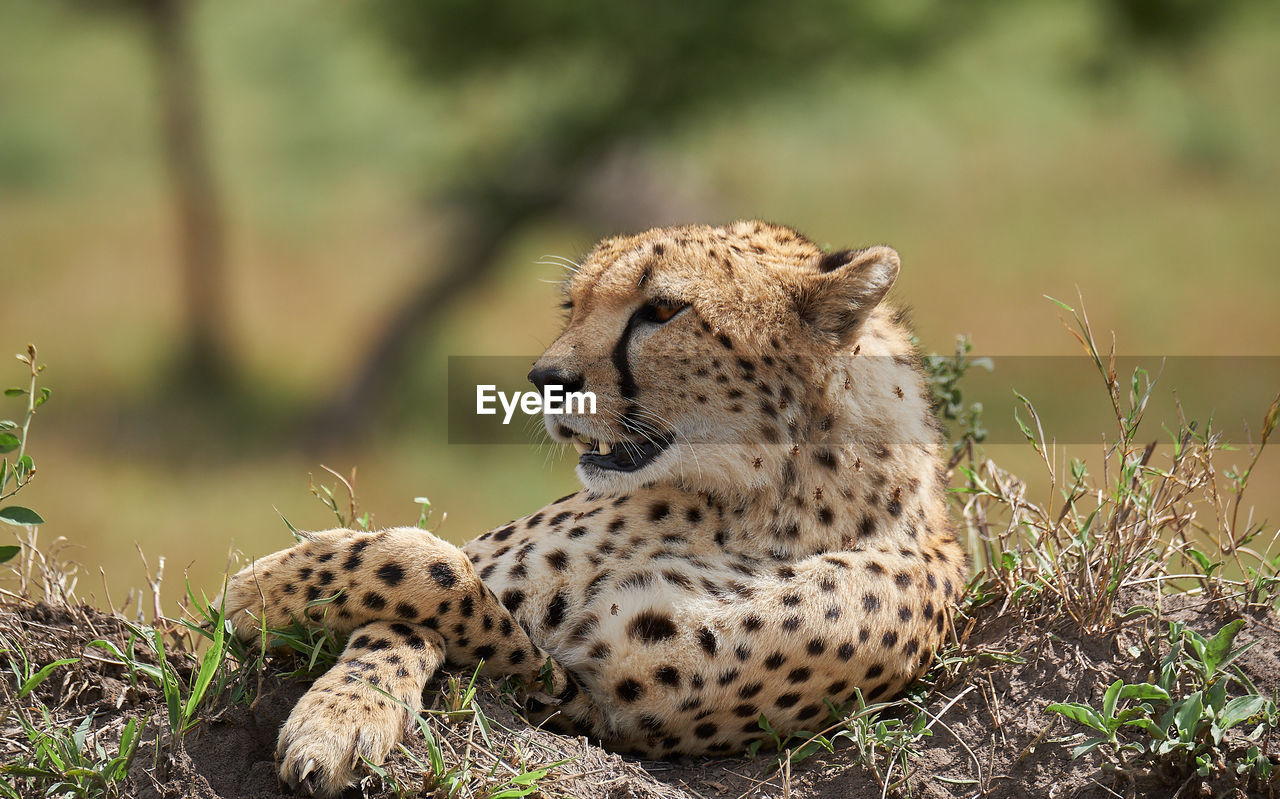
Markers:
(543, 376)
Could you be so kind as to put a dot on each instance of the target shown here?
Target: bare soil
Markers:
(992, 737)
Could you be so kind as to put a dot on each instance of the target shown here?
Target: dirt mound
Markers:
(1000, 725)
(990, 733)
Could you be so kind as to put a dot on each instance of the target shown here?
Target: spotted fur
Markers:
(789, 545)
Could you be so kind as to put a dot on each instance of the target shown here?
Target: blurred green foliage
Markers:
(588, 74)
(1171, 25)
(629, 68)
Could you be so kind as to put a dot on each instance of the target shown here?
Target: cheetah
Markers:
(762, 525)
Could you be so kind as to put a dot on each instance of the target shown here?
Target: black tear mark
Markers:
(627, 387)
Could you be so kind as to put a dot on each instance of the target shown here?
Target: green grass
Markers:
(441, 769)
(64, 762)
(61, 756)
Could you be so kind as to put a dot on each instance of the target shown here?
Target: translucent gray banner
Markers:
(488, 402)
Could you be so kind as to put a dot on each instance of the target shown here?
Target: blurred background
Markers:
(246, 237)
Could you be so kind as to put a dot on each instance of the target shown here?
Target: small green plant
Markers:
(327, 495)
(58, 759)
(182, 701)
(1111, 718)
(352, 517)
(13, 439)
(1186, 715)
(883, 742)
(1090, 537)
(424, 513)
(795, 747)
(1205, 657)
(63, 761)
(26, 676)
(460, 694)
(316, 645)
(508, 777)
(944, 374)
(1192, 729)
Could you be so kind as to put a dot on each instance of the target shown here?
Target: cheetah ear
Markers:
(849, 284)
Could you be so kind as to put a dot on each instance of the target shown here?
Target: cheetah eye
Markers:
(659, 312)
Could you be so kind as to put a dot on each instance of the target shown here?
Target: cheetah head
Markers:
(709, 350)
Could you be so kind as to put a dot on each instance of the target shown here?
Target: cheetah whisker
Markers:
(560, 261)
(666, 423)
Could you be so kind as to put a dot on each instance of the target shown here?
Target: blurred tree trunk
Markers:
(486, 220)
(204, 361)
(488, 213)
(490, 210)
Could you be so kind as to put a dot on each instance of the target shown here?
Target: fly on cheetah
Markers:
(761, 526)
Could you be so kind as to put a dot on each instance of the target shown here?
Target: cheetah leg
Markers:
(346, 715)
(345, 580)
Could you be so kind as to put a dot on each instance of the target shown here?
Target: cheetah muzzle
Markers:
(620, 456)
(761, 532)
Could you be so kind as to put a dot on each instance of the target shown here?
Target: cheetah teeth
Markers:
(591, 445)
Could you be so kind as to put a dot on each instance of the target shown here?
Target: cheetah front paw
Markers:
(328, 734)
(359, 708)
